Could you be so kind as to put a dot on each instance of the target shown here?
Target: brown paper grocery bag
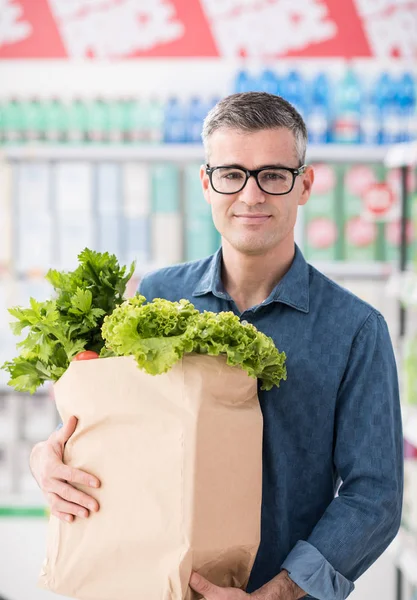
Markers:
(179, 456)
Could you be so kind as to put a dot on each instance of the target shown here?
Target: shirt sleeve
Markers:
(365, 516)
(145, 288)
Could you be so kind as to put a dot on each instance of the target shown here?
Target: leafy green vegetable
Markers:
(243, 344)
(156, 334)
(159, 333)
(61, 328)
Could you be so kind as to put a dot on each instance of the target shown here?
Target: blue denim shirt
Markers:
(335, 420)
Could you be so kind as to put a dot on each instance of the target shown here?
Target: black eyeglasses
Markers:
(276, 181)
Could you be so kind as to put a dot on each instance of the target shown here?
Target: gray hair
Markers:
(253, 111)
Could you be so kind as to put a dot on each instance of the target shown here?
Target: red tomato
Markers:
(86, 355)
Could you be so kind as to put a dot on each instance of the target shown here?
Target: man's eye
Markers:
(273, 176)
(233, 175)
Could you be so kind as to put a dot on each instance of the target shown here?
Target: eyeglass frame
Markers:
(254, 173)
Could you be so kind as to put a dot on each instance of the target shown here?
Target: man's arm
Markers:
(368, 456)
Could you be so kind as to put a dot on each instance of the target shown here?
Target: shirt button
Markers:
(244, 322)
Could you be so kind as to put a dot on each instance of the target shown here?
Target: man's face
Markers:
(252, 221)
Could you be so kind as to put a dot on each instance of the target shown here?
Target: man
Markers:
(336, 420)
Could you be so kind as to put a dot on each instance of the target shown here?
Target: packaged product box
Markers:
(201, 237)
(363, 230)
(166, 215)
(34, 218)
(108, 209)
(321, 222)
(6, 208)
(73, 198)
(136, 242)
(180, 464)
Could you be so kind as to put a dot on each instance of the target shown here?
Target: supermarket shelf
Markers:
(403, 287)
(112, 152)
(22, 512)
(346, 153)
(404, 554)
(401, 155)
(23, 505)
(409, 413)
(354, 270)
(175, 153)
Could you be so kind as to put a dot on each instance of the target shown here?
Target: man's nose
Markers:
(251, 193)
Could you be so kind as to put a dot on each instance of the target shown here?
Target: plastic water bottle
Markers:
(136, 120)
(294, 90)
(371, 116)
(117, 119)
(54, 121)
(98, 118)
(388, 107)
(347, 110)
(174, 122)
(77, 121)
(244, 82)
(1, 122)
(269, 82)
(155, 114)
(32, 120)
(212, 102)
(406, 99)
(197, 110)
(146, 119)
(318, 117)
(12, 121)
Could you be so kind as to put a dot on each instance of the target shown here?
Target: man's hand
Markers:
(279, 588)
(55, 478)
(212, 592)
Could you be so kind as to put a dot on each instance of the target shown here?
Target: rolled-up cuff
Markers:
(308, 568)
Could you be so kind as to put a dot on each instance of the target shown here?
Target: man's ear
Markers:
(205, 183)
(307, 183)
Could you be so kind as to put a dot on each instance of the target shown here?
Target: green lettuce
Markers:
(156, 334)
(159, 333)
(60, 328)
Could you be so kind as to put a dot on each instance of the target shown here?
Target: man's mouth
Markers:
(252, 218)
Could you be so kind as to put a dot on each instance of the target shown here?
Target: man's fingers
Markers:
(58, 505)
(72, 495)
(204, 587)
(73, 475)
(63, 516)
(67, 430)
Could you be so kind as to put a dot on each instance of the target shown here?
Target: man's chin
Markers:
(255, 248)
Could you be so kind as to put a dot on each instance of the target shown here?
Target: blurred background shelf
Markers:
(404, 553)
(410, 424)
(174, 152)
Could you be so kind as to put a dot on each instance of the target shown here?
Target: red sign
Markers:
(360, 233)
(379, 199)
(322, 233)
(114, 29)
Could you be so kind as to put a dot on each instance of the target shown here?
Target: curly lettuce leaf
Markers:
(155, 333)
(159, 333)
(243, 345)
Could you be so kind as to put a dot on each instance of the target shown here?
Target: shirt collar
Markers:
(293, 289)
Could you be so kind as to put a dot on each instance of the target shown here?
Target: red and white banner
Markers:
(114, 29)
